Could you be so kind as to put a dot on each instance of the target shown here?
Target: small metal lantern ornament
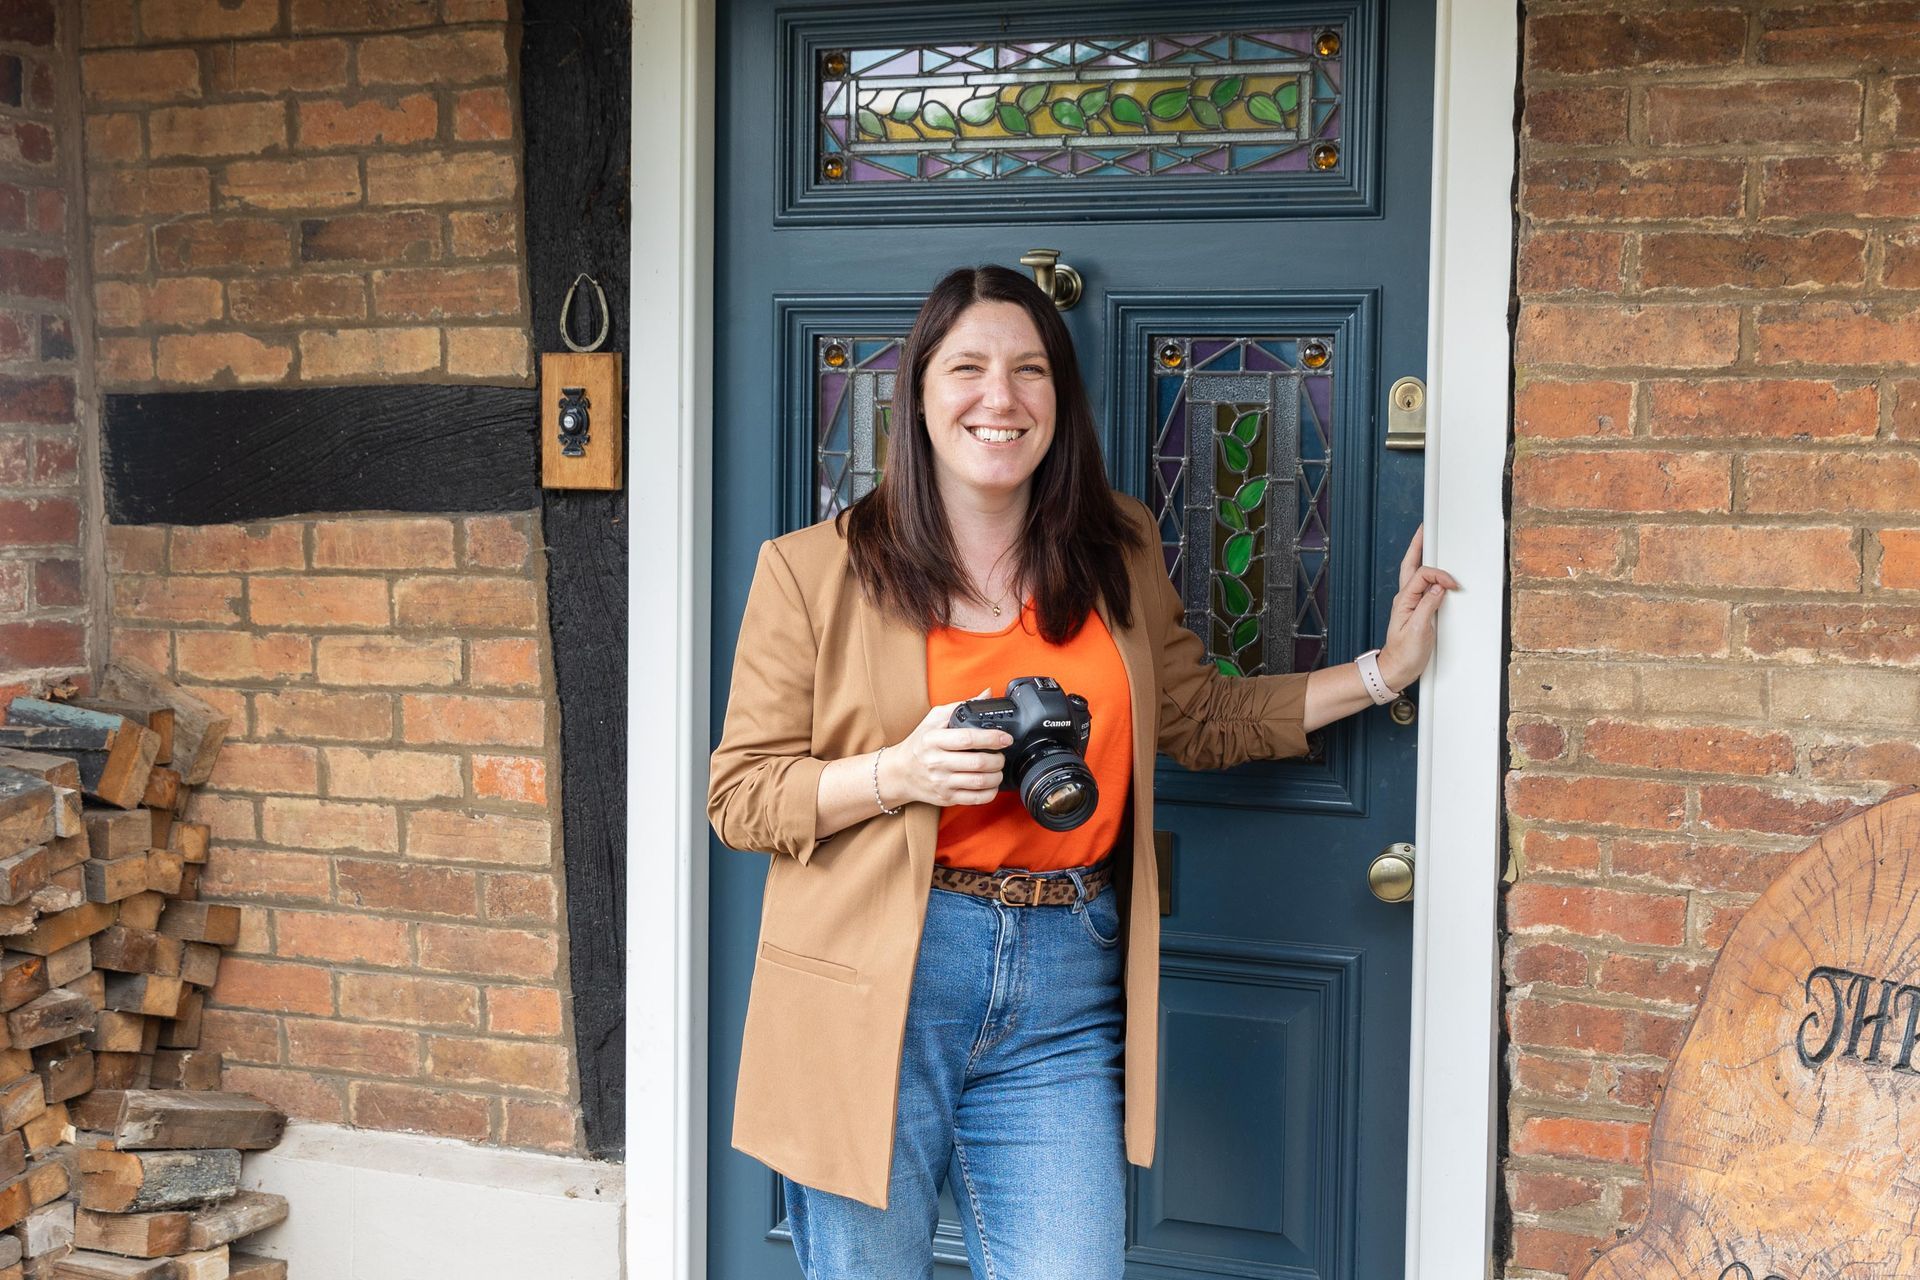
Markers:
(580, 405)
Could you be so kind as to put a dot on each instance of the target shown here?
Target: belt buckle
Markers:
(1033, 889)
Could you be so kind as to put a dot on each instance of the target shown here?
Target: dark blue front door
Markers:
(1244, 190)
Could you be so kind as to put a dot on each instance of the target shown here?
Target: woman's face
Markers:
(989, 403)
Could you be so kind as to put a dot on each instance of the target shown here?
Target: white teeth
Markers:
(995, 435)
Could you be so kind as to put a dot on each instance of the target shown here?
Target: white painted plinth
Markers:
(393, 1206)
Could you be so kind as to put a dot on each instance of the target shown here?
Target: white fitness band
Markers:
(1369, 664)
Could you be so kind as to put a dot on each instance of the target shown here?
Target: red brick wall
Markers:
(1716, 531)
(307, 191)
(382, 811)
(46, 402)
(311, 192)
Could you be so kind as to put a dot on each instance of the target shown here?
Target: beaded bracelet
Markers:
(876, 787)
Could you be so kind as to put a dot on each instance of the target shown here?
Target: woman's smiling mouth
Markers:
(996, 435)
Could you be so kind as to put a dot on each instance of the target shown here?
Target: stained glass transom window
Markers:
(853, 380)
(1233, 102)
(1242, 461)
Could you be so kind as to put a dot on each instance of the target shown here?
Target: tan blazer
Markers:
(820, 674)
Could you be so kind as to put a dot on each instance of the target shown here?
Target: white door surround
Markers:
(1451, 1156)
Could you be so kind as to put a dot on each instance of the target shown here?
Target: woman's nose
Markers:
(997, 391)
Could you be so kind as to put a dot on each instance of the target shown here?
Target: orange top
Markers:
(1001, 833)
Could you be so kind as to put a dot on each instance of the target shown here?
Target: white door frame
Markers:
(1456, 970)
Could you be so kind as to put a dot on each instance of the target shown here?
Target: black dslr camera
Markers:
(1047, 761)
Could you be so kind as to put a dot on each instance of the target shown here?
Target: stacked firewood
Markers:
(119, 1154)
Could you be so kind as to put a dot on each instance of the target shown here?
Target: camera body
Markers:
(1046, 764)
(575, 421)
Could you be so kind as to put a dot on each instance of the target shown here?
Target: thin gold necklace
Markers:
(994, 604)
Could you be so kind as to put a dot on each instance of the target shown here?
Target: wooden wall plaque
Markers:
(583, 387)
(1787, 1143)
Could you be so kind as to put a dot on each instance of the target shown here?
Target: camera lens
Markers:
(1058, 790)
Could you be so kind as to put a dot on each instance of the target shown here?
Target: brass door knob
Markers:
(1057, 280)
(1390, 874)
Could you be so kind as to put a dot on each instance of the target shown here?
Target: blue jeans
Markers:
(1010, 1088)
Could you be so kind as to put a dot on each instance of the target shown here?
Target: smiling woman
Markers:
(988, 402)
(940, 965)
(998, 489)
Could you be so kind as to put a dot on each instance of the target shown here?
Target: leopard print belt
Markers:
(1022, 889)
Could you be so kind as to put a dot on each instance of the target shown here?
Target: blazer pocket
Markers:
(807, 964)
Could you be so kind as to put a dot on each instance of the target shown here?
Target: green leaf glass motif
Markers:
(1245, 632)
(1228, 667)
(1068, 114)
(1231, 517)
(1236, 453)
(1135, 106)
(1238, 553)
(1250, 494)
(1246, 427)
(1236, 597)
(977, 111)
(1127, 111)
(1169, 104)
(937, 115)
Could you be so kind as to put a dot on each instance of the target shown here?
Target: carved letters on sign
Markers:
(1787, 1141)
(1840, 1004)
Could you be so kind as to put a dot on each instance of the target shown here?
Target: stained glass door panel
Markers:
(1245, 311)
(1240, 486)
(1203, 102)
(1232, 108)
(853, 406)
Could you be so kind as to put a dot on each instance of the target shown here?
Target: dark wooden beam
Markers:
(575, 99)
(210, 457)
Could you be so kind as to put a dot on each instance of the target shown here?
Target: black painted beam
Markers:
(210, 457)
(575, 66)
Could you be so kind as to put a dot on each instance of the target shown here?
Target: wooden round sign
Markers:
(1782, 1146)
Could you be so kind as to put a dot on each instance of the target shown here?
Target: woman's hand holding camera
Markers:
(932, 765)
(941, 766)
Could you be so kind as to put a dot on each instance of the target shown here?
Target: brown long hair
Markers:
(1071, 553)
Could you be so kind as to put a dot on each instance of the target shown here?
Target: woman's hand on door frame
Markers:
(1412, 622)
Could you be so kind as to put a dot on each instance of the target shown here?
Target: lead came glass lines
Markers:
(1216, 103)
(853, 378)
(1242, 461)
